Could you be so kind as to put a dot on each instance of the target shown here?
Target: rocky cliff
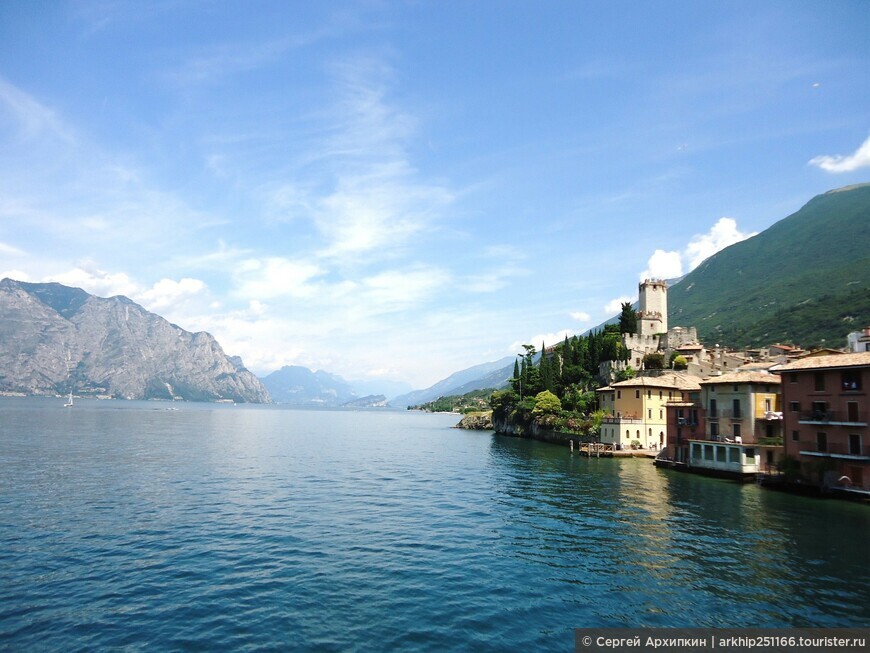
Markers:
(55, 339)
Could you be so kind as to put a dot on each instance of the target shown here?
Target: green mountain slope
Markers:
(804, 280)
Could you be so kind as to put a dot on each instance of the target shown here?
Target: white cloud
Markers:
(548, 339)
(167, 293)
(615, 305)
(17, 275)
(671, 264)
(97, 282)
(839, 163)
(580, 316)
(663, 265)
(271, 277)
(721, 235)
(397, 289)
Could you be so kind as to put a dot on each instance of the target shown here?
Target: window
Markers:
(750, 455)
(767, 407)
(735, 405)
(851, 379)
(821, 442)
(794, 406)
(819, 381)
(649, 413)
(852, 411)
(619, 394)
(713, 408)
(736, 430)
(714, 429)
(736, 388)
(734, 455)
(661, 414)
(795, 436)
(820, 410)
(854, 444)
(720, 454)
(708, 452)
(649, 394)
(792, 378)
(637, 394)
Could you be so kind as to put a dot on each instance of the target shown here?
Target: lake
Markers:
(155, 526)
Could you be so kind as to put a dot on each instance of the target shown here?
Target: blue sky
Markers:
(403, 189)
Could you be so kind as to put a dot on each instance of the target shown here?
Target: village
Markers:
(780, 415)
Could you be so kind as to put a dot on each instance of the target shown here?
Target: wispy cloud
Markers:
(31, 116)
(860, 158)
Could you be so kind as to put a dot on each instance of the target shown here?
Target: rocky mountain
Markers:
(55, 339)
(297, 385)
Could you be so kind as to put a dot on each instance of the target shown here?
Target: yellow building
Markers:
(635, 411)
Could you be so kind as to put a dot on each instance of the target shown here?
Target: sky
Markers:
(400, 190)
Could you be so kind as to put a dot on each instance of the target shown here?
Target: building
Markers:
(635, 409)
(825, 418)
(858, 340)
(744, 419)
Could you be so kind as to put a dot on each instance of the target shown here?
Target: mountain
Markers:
(377, 386)
(804, 280)
(369, 401)
(297, 385)
(55, 339)
(485, 375)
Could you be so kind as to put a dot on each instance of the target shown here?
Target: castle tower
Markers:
(653, 307)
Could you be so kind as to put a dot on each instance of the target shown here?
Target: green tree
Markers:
(680, 363)
(546, 403)
(654, 361)
(626, 374)
(627, 319)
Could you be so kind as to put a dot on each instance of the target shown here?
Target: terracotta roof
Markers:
(670, 380)
(749, 376)
(862, 358)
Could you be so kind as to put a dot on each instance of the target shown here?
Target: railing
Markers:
(687, 421)
(826, 416)
(836, 448)
(614, 419)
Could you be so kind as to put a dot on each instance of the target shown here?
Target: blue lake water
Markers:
(153, 526)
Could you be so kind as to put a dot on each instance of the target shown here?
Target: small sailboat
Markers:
(69, 401)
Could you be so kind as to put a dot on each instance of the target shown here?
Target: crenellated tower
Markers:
(652, 315)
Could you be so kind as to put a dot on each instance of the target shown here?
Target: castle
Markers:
(654, 336)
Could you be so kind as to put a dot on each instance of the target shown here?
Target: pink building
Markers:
(825, 418)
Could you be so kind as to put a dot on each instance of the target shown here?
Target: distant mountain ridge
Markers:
(299, 386)
(56, 339)
(486, 375)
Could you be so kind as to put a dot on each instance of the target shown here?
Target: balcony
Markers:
(834, 450)
(851, 418)
(631, 418)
